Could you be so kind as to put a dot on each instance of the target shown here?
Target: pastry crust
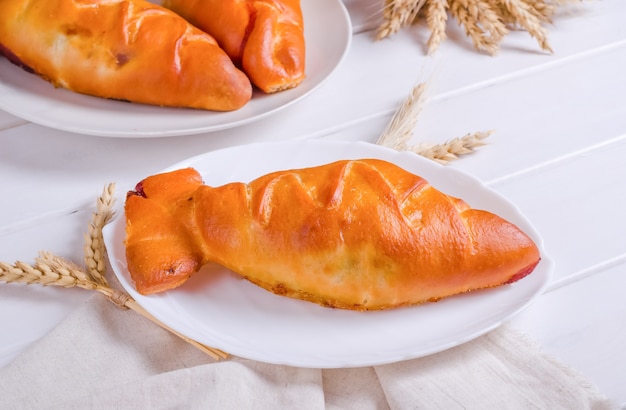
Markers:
(264, 37)
(359, 235)
(128, 50)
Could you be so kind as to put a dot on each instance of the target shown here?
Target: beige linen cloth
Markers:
(102, 357)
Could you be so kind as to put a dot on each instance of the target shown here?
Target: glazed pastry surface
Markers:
(128, 50)
(264, 37)
(361, 235)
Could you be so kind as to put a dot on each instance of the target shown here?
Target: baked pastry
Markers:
(128, 50)
(264, 37)
(359, 235)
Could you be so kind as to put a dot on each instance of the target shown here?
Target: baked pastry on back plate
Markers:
(361, 235)
(263, 37)
(128, 50)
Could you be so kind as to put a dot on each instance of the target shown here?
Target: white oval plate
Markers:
(328, 34)
(220, 309)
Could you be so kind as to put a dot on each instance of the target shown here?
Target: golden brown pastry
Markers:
(264, 37)
(121, 49)
(356, 235)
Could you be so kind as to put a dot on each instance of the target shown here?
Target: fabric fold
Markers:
(103, 357)
(503, 369)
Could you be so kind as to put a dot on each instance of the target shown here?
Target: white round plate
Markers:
(219, 309)
(328, 34)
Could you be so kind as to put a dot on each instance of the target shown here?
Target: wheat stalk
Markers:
(400, 129)
(484, 21)
(52, 270)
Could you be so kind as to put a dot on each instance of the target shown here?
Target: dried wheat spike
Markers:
(480, 22)
(398, 14)
(402, 124)
(94, 248)
(48, 270)
(525, 16)
(436, 19)
(452, 149)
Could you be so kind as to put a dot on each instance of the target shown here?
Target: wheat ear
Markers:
(94, 248)
(398, 14)
(480, 22)
(524, 15)
(436, 18)
(452, 149)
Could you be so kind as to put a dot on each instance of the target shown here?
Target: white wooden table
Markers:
(557, 152)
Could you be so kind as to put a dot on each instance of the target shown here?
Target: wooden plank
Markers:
(576, 205)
